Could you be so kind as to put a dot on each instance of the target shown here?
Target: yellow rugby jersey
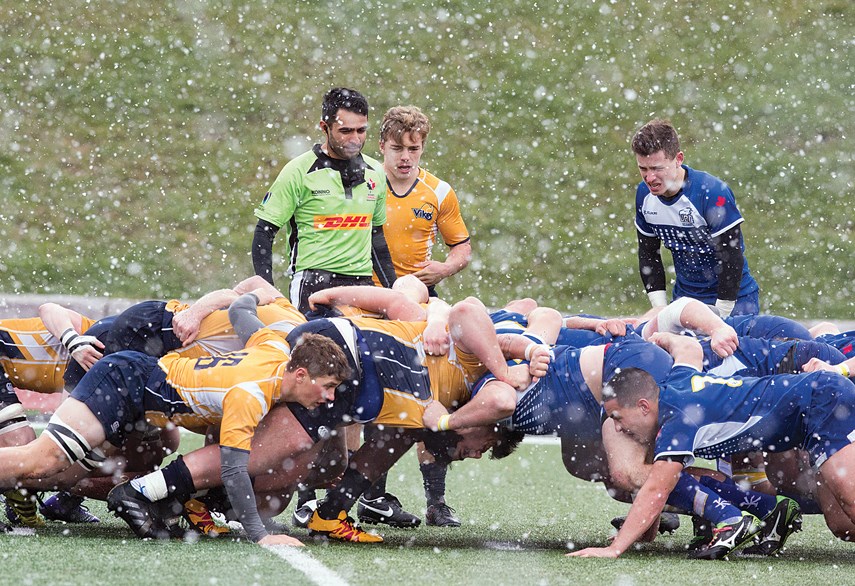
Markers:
(451, 376)
(234, 390)
(217, 336)
(413, 220)
(32, 357)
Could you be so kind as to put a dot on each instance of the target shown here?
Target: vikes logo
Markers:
(699, 382)
(354, 222)
(425, 212)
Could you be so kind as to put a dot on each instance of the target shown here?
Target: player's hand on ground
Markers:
(594, 552)
(87, 351)
(615, 327)
(724, 341)
(815, 365)
(280, 540)
(185, 325)
(430, 418)
(430, 272)
(436, 339)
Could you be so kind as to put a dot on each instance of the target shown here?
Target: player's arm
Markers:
(614, 326)
(684, 349)
(493, 402)
(381, 258)
(393, 304)
(728, 250)
(436, 337)
(262, 249)
(845, 368)
(257, 282)
(186, 323)
(432, 272)
(651, 269)
(66, 325)
(688, 313)
(473, 332)
(643, 513)
(243, 315)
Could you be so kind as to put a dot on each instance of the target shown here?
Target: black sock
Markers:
(179, 482)
(433, 475)
(376, 490)
(305, 495)
(343, 495)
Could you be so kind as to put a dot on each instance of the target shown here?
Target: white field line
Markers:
(303, 562)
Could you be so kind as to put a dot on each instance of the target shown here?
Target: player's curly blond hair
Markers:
(404, 120)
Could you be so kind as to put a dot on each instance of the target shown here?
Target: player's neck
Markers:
(401, 187)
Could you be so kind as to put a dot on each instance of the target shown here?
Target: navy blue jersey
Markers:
(760, 357)
(711, 417)
(686, 224)
(845, 342)
(631, 351)
(579, 338)
(559, 403)
(771, 327)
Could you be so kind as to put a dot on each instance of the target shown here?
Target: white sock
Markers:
(151, 486)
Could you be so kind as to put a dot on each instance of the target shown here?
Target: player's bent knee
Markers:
(72, 447)
(12, 417)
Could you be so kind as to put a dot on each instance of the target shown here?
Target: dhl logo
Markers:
(349, 222)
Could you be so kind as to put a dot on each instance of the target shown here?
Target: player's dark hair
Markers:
(629, 385)
(657, 135)
(509, 439)
(320, 356)
(342, 98)
(441, 445)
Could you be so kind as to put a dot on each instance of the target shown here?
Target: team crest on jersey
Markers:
(686, 217)
(371, 184)
(425, 212)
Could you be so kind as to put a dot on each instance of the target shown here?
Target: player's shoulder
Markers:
(705, 183)
(438, 186)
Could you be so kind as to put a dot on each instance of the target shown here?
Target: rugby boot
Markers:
(341, 528)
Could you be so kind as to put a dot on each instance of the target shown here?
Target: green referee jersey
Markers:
(333, 224)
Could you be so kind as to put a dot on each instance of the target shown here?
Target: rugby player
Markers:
(700, 415)
(695, 215)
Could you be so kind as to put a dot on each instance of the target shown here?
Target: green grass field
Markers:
(140, 136)
(519, 515)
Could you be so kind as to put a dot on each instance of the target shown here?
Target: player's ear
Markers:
(679, 158)
(644, 405)
(324, 128)
(300, 374)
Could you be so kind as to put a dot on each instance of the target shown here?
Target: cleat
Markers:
(303, 514)
(728, 537)
(668, 522)
(66, 507)
(146, 519)
(784, 520)
(199, 518)
(441, 515)
(21, 509)
(385, 509)
(341, 529)
(702, 534)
